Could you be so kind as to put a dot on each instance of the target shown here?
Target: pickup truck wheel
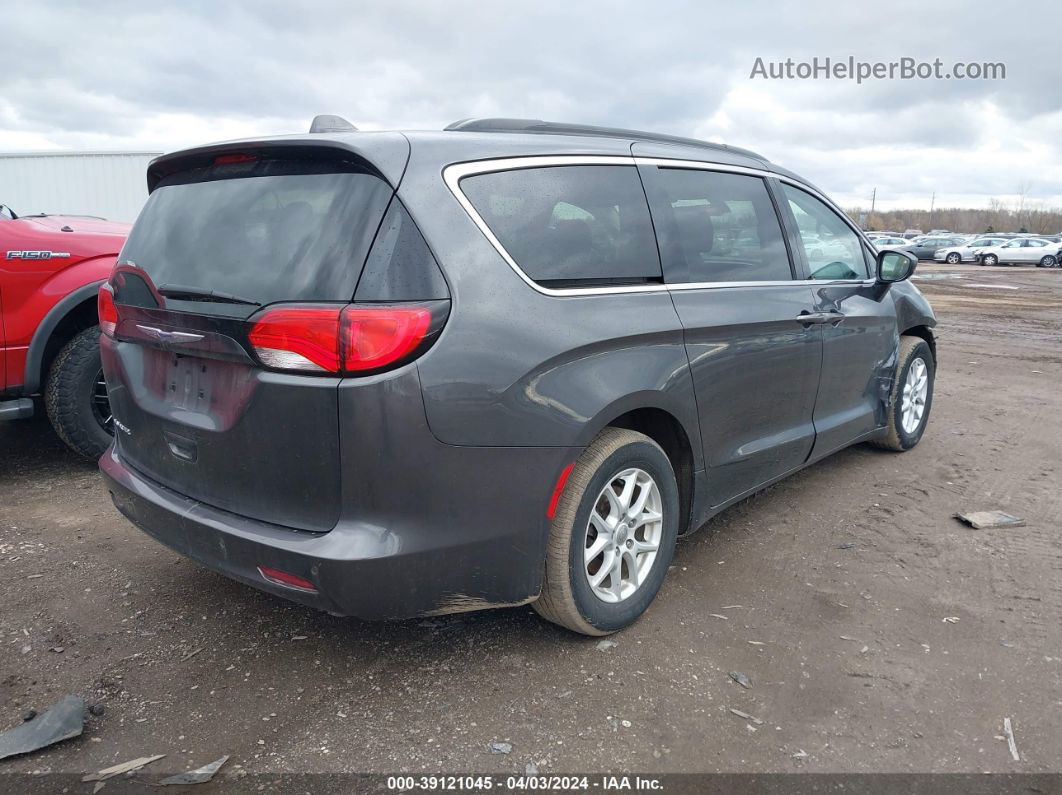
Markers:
(911, 397)
(613, 535)
(75, 396)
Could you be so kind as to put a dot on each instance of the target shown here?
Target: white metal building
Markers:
(112, 185)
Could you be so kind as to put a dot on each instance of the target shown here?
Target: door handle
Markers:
(818, 318)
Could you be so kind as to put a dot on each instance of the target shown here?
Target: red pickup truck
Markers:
(51, 267)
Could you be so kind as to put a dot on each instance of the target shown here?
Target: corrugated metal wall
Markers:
(108, 184)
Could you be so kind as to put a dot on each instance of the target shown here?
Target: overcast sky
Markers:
(159, 76)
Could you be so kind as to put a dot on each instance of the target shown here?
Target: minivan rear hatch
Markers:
(218, 243)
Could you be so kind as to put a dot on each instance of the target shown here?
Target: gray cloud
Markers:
(125, 74)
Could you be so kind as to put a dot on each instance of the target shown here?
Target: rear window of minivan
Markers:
(570, 225)
(267, 231)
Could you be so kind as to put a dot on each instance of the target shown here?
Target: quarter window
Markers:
(570, 225)
(831, 246)
(716, 227)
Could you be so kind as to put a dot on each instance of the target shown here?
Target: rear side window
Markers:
(266, 231)
(570, 225)
(716, 227)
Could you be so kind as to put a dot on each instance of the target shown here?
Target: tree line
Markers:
(998, 216)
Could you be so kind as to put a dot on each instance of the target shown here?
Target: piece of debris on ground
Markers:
(986, 520)
(200, 775)
(746, 716)
(1008, 731)
(124, 767)
(741, 679)
(61, 722)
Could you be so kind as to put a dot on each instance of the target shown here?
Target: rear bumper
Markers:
(472, 560)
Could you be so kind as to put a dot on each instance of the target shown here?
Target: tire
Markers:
(989, 259)
(568, 598)
(1046, 262)
(953, 258)
(899, 437)
(80, 420)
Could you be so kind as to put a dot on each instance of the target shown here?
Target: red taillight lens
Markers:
(337, 340)
(284, 578)
(375, 338)
(107, 311)
(304, 339)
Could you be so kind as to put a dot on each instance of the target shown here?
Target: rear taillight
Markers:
(107, 311)
(336, 339)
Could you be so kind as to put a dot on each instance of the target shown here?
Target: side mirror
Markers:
(895, 266)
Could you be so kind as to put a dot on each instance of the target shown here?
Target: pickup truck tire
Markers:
(79, 416)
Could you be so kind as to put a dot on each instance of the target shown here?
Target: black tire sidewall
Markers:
(602, 615)
(75, 374)
(950, 261)
(920, 351)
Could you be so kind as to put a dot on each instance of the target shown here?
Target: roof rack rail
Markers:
(560, 128)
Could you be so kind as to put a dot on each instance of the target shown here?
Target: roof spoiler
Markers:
(328, 123)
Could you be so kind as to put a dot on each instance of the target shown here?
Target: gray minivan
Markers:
(396, 374)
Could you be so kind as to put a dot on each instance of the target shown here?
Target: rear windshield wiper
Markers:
(182, 293)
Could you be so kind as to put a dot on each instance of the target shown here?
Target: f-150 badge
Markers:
(37, 255)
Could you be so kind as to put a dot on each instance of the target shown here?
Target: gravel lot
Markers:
(829, 591)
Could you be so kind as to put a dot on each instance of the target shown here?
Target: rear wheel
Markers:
(912, 396)
(75, 396)
(953, 258)
(613, 535)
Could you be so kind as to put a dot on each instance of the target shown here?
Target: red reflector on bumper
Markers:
(558, 490)
(287, 580)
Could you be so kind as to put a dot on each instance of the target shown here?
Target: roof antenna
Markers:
(327, 123)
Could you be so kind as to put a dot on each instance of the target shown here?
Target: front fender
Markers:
(55, 299)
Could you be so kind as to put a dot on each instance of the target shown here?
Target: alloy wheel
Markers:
(915, 390)
(623, 535)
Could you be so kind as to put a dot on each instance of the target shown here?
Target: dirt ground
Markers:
(830, 591)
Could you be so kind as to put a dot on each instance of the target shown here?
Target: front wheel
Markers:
(75, 396)
(1047, 262)
(989, 259)
(911, 397)
(613, 535)
(953, 258)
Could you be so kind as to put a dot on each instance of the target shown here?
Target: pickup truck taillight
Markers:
(340, 340)
(108, 312)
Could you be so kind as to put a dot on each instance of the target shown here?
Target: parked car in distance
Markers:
(401, 374)
(926, 247)
(909, 233)
(51, 268)
(882, 242)
(1020, 250)
(966, 251)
